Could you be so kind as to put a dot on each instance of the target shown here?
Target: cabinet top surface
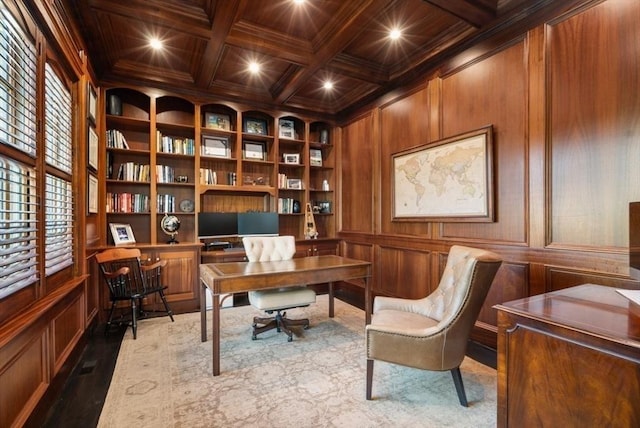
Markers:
(589, 308)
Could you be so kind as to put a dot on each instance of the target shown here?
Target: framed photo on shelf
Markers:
(92, 103)
(315, 157)
(291, 158)
(217, 121)
(255, 150)
(92, 194)
(286, 129)
(325, 207)
(254, 126)
(92, 151)
(216, 147)
(294, 183)
(122, 234)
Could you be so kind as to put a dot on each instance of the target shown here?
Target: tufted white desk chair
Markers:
(432, 333)
(275, 248)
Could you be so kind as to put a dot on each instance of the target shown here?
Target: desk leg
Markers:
(215, 325)
(203, 312)
(331, 300)
(367, 302)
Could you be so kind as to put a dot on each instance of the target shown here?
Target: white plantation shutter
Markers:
(18, 188)
(58, 193)
(17, 86)
(18, 255)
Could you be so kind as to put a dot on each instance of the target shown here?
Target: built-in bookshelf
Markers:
(167, 155)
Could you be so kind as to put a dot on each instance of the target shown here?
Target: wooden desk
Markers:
(569, 358)
(236, 277)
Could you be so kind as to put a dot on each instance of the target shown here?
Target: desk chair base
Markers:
(280, 322)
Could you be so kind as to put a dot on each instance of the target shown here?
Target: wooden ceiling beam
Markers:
(355, 16)
(225, 14)
(470, 11)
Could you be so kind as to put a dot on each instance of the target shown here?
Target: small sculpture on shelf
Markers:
(310, 231)
(170, 225)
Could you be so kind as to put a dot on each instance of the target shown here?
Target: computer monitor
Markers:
(634, 240)
(214, 225)
(258, 223)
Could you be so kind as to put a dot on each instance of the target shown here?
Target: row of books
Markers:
(116, 140)
(165, 174)
(127, 203)
(131, 171)
(176, 145)
(165, 203)
(288, 206)
(208, 177)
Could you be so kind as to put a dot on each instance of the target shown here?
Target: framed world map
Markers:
(450, 180)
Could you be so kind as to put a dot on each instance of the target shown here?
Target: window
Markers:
(17, 226)
(58, 193)
(17, 86)
(18, 185)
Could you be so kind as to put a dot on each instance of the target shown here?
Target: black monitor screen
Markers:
(217, 225)
(258, 223)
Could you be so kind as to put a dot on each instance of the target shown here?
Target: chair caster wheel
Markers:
(254, 337)
(289, 339)
(306, 327)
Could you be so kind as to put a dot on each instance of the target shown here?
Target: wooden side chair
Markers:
(432, 333)
(130, 280)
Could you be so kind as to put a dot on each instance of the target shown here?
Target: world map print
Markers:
(445, 180)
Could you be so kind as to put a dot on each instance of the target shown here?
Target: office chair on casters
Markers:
(130, 280)
(432, 333)
(275, 248)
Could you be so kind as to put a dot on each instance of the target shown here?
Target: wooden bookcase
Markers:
(189, 158)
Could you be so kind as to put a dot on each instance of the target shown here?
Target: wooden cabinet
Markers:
(569, 358)
(180, 275)
(166, 155)
(316, 247)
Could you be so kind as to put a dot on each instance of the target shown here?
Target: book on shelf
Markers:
(127, 203)
(175, 145)
(116, 139)
(165, 203)
(208, 177)
(131, 171)
(165, 174)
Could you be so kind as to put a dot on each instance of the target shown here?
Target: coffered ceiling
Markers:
(208, 44)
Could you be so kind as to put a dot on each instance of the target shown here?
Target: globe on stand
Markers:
(170, 225)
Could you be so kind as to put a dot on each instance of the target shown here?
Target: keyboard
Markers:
(233, 250)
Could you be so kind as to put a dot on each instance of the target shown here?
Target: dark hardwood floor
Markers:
(76, 401)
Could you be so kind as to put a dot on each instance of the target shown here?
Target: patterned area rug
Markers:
(163, 379)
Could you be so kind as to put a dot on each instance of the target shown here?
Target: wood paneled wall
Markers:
(564, 103)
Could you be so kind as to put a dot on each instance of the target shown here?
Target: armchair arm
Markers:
(122, 271)
(398, 304)
(158, 264)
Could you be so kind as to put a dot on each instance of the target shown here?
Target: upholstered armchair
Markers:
(432, 333)
(276, 248)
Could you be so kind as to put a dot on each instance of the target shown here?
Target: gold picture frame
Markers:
(217, 121)
(449, 180)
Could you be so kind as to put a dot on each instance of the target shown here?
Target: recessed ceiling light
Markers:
(395, 34)
(155, 43)
(328, 85)
(254, 67)
(298, 1)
